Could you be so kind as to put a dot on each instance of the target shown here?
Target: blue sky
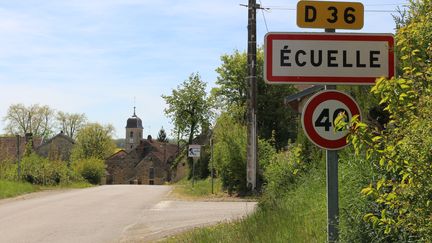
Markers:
(95, 56)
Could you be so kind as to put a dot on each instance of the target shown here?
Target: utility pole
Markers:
(18, 137)
(251, 102)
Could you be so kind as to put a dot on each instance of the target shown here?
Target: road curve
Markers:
(115, 213)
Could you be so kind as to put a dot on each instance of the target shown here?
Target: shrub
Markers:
(41, 171)
(91, 169)
(7, 170)
(230, 153)
(282, 172)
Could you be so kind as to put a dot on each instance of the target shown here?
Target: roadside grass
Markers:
(300, 216)
(200, 189)
(14, 188)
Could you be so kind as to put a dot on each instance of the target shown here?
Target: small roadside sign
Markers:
(319, 114)
(331, 15)
(194, 150)
(328, 58)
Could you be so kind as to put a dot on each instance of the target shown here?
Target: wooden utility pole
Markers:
(251, 102)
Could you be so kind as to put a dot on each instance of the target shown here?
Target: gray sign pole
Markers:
(193, 171)
(332, 186)
(332, 196)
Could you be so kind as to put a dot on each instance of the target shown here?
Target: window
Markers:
(131, 134)
(151, 173)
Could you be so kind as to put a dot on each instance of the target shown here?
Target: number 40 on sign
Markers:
(319, 114)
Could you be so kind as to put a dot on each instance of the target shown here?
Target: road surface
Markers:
(115, 213)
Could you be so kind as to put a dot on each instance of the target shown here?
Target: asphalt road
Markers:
(118, 213)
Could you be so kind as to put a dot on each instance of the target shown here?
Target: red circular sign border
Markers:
(307, 114)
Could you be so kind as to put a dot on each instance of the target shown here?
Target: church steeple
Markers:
(134, 131)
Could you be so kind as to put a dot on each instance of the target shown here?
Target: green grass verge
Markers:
(13, 188)
(301, 214)
(299, 217)
(200, 189)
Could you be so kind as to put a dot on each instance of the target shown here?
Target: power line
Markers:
(265, 21)
(370, 11)
(289, 8)
(366, 5)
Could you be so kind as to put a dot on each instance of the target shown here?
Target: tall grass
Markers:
(13, 188)
(200, 189)
(299, 217)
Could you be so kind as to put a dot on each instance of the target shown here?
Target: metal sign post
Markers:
(328, 59)
(194, 151)
(318, 118)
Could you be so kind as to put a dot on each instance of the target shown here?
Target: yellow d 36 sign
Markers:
(330, 15)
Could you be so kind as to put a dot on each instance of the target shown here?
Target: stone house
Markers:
(12, 146)
(142, 161)
(58, 147)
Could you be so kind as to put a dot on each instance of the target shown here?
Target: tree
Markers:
(70, 123)
(162, 137)
(189, 108)
(34, 119)
(272, 115)
(94, 141)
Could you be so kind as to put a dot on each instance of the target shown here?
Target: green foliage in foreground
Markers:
(13, 188)
(299, 213)
(300, 217)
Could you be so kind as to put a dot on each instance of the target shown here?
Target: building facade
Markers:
(142, 161)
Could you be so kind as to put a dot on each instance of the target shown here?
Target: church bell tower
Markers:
(134, 132)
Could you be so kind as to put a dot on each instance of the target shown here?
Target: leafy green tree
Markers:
(70, 123)
(94, 141)
(35, 119)
(189, 108)
(399, 208)
(162, 137)
(273, 117)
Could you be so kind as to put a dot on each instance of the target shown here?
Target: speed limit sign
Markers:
(319, 114)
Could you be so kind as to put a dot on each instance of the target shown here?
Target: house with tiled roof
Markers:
(142, 161)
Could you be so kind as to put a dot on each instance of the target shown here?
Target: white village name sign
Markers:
(335, 58)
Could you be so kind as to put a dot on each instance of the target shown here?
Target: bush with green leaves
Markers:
(230, 153)
(91, 169)
(400, 201)
(283, 171)
(41, 171)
